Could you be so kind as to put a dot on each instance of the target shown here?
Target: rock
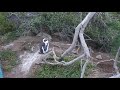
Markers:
(99, 57)
(1, 48)
(9, 46)
(59, 35)
(13, 18)
(28, 33)
(44, 35)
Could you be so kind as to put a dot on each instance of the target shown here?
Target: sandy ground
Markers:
(27, 58)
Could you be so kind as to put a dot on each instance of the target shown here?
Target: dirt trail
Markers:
(27, 58)
(105, 68)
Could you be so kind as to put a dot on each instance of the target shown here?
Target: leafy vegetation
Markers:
(8, 31)
(103, 29)
(104, 32)
(72, 71)
(9, 37)
(8, 59)
(47, 71)
(52, 22)
(5, 25)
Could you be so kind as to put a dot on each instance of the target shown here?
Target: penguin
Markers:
(44, 46)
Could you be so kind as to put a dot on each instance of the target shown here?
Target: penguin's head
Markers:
(45, 40)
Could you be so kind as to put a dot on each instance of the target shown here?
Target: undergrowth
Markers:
(71, 71)
(8, 59)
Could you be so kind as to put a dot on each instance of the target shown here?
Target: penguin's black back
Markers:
(42, 45)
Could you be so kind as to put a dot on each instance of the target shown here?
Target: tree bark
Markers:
(63, 63)
(79, 31)
(79, 28)
(115, 62)
(83, 69)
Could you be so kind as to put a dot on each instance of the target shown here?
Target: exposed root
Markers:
(115, 62)
(63, 63)
(83, 68)
(104, 61)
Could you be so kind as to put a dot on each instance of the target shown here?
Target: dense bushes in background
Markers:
(5, 25)
(8, 59)
(52, 22)
(103, 29)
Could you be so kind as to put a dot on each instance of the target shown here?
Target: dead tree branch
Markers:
(56, 62)
(79, 28)
(83, 69)
(79, 31)
(104, 61)
(115, 62)
(63, 63)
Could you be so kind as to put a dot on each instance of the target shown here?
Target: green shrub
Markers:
(8, 59)
(52, 22)
(5, 25)
(115, 44)
(47, 71)
(89, 68)
(104, 31)
(71, 71)
(9, 37)
(114, 33)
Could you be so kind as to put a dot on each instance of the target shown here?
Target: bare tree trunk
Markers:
(63, 63)
(115, 65)
(83, 43)
(79, 28)
(83, 69)
(74, 41)
(79, 31)
(115, 62)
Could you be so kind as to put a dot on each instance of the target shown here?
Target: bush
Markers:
(5, 25)
(71, 71)
(102, 29)
(103, 32)
(48, 71)
(8, 59)
(10, 36)
(115, 44)
(52, 22)
(114, 32)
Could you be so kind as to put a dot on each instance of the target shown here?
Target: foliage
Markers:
(115, 44)
(68, 58)
(104, 31)
(114, 32)
(103, 28)
(52, 22)
(8, 59)
(89, 69)
(72, 71)
(9, 37)
(48, 71)
(5, 25)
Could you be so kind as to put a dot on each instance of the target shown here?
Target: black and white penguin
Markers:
(44, 46)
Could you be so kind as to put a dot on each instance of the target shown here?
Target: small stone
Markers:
(44, 35)
(99, 57)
